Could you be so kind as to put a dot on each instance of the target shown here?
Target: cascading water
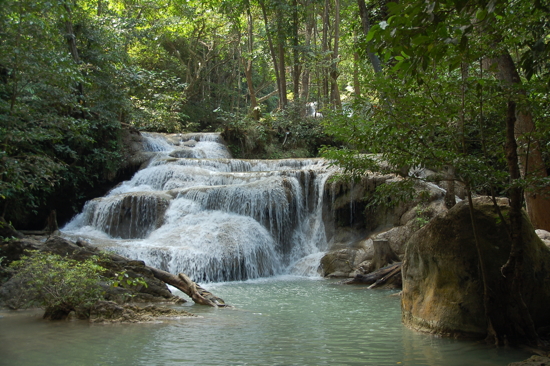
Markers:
(196, 210)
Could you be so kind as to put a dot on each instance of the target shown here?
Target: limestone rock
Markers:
(111, 312)
(544, 236)
(532, 361)
(184, 152)
(442, 289)
(342, 262)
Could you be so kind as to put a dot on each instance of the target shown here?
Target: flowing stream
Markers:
(253, 233)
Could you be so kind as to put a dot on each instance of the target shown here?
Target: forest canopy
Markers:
(409, 80)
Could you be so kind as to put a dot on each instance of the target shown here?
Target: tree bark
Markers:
(530, 157)
(334, 90)
(295, 52)
(304, 92)
(254, 109)
(389, 274)
(187, 286)
(272, 50)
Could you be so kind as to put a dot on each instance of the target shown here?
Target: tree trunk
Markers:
(383, 254)
(515, 325)
(325, 48)
(295, 52)
(304, 92)
(272, 50)
(187, 286)
(254, 109)
(356, 60)
(384, 276)
(282, 67)
(364, 14)
(530, 158)
(334, 91)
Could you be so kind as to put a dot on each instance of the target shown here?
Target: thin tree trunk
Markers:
(254, 109)
(71, 42)
(325, 48)
(517, 325)
(364, 14)
(272, 49)
(530, 158)
(334, 90)
(356, 60)
(295, 52)
(304, 93)
(282, 67)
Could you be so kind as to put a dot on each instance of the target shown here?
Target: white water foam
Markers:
(215, 218)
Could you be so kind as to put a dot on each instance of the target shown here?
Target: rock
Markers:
(533, 361)
(442, 288)
(155, 291)
(342, 262)
(184, 152)
(111, 312)
(13, 250)
(544, 236)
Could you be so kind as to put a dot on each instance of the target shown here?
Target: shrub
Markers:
(58, 284)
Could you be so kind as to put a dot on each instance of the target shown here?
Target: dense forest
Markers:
(440, 84)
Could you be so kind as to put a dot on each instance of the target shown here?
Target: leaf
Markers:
(481, 14)
(372, 33)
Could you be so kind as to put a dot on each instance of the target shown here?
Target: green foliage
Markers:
(285, 134)
(59, 114)
(57, 283)
(123, 280)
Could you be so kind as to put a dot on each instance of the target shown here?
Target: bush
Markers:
(58, 284)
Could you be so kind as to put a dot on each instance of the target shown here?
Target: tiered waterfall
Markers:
(195, 210)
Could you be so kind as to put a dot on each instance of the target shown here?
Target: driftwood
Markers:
(187, 286)
(387, 276)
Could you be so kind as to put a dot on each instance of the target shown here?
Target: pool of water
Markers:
(277, 321)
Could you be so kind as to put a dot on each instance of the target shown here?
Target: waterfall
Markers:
(196, 210)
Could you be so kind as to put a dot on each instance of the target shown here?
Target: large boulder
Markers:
(442, 285)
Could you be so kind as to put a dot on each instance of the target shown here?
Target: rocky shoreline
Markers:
(148, 299)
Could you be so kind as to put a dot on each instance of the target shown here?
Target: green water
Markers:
(277, 321)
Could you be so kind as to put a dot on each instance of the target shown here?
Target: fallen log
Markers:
(392, 279)
(387, 275)
(186, 285)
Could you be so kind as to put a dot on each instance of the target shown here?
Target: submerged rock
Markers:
(533, 361)
(111, 312)
(442, 286)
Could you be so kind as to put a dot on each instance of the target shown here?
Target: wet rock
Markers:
(342, 262)
(544, 236)
(442, 288)
(185, 152)
(533, 361)
(111, 312)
